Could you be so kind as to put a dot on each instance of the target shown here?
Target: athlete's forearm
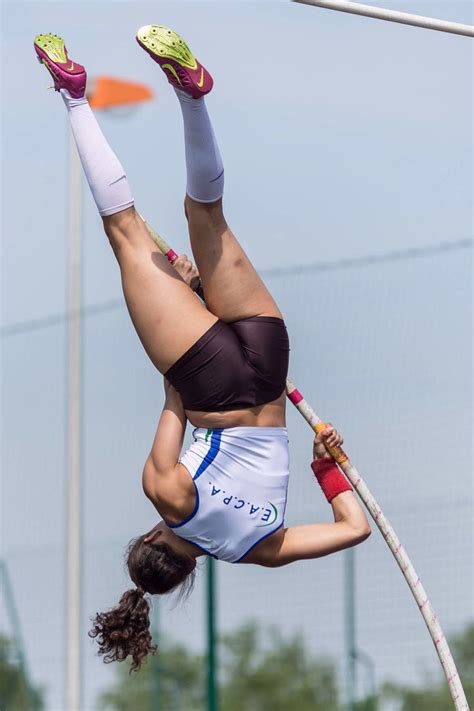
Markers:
(316, 540)
(338, 491)
(346, 509)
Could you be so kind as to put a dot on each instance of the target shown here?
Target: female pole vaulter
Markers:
(224, 363)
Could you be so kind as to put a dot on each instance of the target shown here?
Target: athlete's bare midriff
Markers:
(272, 414)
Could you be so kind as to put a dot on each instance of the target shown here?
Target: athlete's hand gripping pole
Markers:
(168, 252)
(391, 538)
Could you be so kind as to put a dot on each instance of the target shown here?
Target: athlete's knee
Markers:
(121, 222)
(123, 227)
(204, 211)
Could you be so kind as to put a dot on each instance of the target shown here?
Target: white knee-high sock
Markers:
(204, 167)
(104, 173)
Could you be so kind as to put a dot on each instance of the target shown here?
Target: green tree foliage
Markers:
(259, 671)
(370, 703)
(262, 671)
(15, 692)
(174, 676)
(434, 694)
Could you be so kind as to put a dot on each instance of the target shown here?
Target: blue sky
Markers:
(342, 137)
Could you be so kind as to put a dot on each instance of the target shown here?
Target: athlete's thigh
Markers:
(167, 315)
(231, 285)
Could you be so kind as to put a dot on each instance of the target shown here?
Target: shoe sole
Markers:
(163, 43)
(53, 47)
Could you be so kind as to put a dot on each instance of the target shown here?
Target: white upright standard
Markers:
(74, 436)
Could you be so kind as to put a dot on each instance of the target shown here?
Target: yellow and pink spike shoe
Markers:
(171, 52)
(66, 74)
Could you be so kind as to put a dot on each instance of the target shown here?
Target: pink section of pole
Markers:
(168, 252)
(387, 531)
(172, 256)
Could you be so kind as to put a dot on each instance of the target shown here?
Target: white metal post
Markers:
(73, 563)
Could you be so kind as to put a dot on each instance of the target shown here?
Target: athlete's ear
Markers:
(152, 534)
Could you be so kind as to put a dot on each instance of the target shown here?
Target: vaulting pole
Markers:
(391, 539)
(400, 555)
(403, 18)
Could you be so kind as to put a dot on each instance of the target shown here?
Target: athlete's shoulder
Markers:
(171, 492)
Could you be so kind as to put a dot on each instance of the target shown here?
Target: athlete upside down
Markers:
(225, 368)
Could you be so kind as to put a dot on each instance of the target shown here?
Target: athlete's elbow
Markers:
(276, 562)
(360, 533)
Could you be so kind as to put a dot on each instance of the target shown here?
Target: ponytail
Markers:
(155, 568)
(125, 630)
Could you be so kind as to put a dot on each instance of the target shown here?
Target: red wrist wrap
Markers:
(330, 479)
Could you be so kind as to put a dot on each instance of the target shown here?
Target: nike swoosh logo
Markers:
(172, 71)
(200, 83)
(117, 180)
(220, 174)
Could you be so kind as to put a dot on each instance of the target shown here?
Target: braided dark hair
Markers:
(155, 568)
